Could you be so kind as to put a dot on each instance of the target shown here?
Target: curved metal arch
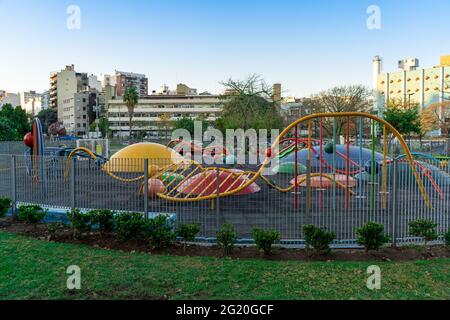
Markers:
(363, 115)
(419, 154)
(258, 174)
(326, 176)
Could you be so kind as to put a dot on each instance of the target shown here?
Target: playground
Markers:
(336, 171)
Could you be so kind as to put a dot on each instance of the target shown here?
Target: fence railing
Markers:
(83, 183)
(19, 148)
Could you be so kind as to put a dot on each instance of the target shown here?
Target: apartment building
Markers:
(74, 95)
(63, 85)
(154, 113)
(184, 90)
(126, 80)
(411, 84)
(9, 98)
(31, 101)
(79, 111)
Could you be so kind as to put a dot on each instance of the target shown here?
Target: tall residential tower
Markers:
(126, 80)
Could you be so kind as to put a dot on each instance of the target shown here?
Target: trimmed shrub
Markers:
(103, 219)
(264, 239)
(188, 232)
(423, 228)
(447, 237)
(5, 205)
(52, 228)
(31, 213)
(226, 238)
(318, 239)
(371, 236)
(160, 232)
(80, 222)
(131, 226)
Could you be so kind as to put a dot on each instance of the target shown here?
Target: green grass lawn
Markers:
(33, 269)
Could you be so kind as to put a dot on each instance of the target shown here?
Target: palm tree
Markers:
(131, 99)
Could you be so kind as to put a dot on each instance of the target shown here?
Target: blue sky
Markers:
(308, 46)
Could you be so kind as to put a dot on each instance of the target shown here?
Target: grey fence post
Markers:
(218, 197)
(308, 190)
(394, 203)
(146, 188)
(72, 183)
(13, 187)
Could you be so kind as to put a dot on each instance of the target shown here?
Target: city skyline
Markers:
(306, 47)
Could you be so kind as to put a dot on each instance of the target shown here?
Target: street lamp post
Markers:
(409, 107)
(409, 99)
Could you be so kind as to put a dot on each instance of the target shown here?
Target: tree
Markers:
(441, 111)
(103, 127)
(56, 129)
(426, 229)
(47, 117)
(164, 123)
(184, 123)
(143, 127)
(189, 124)
(7, 130)
(248, 104)
(403, 117)
(15, 122)
(428, 121)
(341, 99)
(131, 100)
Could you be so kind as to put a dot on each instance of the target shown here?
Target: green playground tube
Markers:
(171, 176)
(286, 152)
(289, 167)
(441, 157)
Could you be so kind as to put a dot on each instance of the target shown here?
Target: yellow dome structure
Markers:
(131, 159)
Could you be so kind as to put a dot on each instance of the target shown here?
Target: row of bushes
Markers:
(160, 233)
(371, 236)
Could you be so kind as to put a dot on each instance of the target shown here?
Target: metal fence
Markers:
(19, 148)
(439, 146)
(82, 183)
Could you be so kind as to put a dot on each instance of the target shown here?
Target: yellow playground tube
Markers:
(131, 160)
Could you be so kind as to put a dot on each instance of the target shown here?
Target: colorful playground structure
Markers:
(190, 148)
(314, 163)
(334, 170)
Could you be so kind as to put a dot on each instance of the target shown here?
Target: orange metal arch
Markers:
(258, 174)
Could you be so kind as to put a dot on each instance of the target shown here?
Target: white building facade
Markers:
(9, 98)
(75, 95)
(31, 102)
(153, 112)
(411, 84)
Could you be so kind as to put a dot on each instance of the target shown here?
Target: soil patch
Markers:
(110, 241)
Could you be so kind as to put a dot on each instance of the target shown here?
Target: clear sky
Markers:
(308, 46)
